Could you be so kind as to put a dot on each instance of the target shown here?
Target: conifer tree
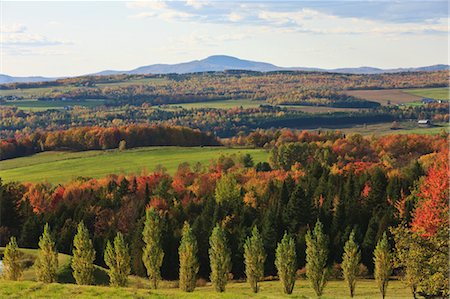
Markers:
(117, 259)
(286, 262)
(220, 259)
(83, 256)
(152, 253)
(350, 262)
(12, 264)
(46, 264)
(255, 257)
(316, 258)
(188, 259)
(383, 264)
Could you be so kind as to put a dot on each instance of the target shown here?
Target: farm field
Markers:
(433, 93)
(235, 290)
(400, 96)
(45, 105)
(59, 167)
(385, 129)
(224, 104)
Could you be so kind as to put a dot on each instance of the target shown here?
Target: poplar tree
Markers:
(117, 259)
(188, 259)
(350, 263)
(12, 263)
(383, 264)
(255, 257)
(220, 259)
(286, 263)
(46, 264)
(152, 252)
(316, 258)
(83, 256)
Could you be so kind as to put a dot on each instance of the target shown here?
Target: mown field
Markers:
(59, 167)
(36, 105)
(385, 129)
(366, 289)
(400, 96)
(433, 93)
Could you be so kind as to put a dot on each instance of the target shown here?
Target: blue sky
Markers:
(59, 38)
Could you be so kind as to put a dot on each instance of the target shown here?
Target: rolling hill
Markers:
(219, 63)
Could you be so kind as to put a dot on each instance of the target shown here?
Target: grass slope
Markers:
(59, 167)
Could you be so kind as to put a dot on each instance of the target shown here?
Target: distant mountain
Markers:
(216, 63)
(10, 79)
(219, 63)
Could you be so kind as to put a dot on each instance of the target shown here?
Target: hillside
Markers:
(59, 167)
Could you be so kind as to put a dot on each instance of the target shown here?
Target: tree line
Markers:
(99, 138)
(117, 258)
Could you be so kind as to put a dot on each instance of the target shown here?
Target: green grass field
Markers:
(35, 105)
(235, 290)
(385, 129)
(224, 104)
(59, 167)
(433, 93)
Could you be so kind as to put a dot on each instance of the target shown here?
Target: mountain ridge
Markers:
(218, 63)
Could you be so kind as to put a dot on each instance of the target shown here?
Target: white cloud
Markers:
(235, 17)
(154, 5)
(197, 4)
(13, 28)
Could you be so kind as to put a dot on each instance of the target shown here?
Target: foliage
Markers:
(316, 258)
(46, 263)
(350, 263)
(254, 257)
(227, 189)
(12, 264)
(220, 258)
(117, 259)
(286, 263)
(188, 259)
(152, 253)
(383, 264)
(83, 256)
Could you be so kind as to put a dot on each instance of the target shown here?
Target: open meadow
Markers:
(400, 96)
(337, 289)
(59, 167)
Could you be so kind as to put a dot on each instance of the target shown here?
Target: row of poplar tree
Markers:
(117, 258)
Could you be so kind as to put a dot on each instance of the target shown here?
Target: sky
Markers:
(59, 38)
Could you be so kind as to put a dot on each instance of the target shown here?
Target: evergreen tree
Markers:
(316, 258)
(383, 264)
(286, 262)
(152, 253)
(117, 259)
(46, 264)
(12, 264)
(220, 258)
(227, 189)
(350, 262)
(83, 256)
(188, 259)
(255, 257)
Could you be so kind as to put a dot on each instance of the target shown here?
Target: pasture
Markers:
(433, 93)
(223, 104)
(385, 129)
(336, 289)
(36, 105)
(400, 96)
(60, 167)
